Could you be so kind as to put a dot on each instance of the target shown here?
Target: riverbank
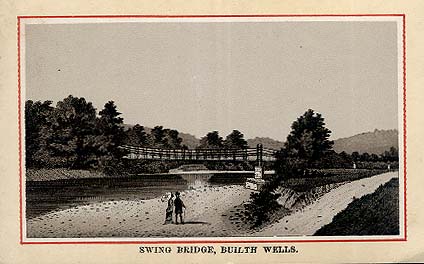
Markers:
(68, 190)
(211, 211)
(45, 175)
(309, 219)
(61, 174)
(205, 216)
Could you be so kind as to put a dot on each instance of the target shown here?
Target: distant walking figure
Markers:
(169, 210)
(179, 205)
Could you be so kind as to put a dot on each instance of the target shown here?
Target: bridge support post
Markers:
(257, 182)
(259, 170)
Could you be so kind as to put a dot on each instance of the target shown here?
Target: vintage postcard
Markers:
(144, 128)
(212, 137)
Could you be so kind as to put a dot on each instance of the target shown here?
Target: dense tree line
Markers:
(72, 135)
(158, 137)
(234, 140)
(169, 138)
(344, 160)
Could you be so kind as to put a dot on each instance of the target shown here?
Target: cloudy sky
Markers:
(257, 77)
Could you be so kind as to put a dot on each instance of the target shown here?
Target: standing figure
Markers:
(169, 210)
(179, 205)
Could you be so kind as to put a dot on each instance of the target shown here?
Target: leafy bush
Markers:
(262, 206)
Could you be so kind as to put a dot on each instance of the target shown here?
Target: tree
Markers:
(172, 139)
(365, 156)
(235, 140)
(71, 135)
(211, 140)
(111, 135)
(346, 158)
(165, 138)
(37, 115)
(355, 156)
(309, 138)
(333, 160)
(391, 155)
(68, 139)
(308, 142)
(158, 136)
(374, 157)
(109, 121)
(136, 136)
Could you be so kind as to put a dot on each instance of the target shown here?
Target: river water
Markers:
(46, 196)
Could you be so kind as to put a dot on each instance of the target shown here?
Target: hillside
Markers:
(372, 142)
(189, 140)
(266, 142)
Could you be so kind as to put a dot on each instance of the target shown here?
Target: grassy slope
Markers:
(329, 176)
(372, 214)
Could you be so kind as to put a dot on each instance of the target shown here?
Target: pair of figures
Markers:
(179, 205)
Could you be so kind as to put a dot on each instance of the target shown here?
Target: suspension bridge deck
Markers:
(248, 154)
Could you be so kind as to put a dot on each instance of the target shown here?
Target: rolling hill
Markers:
(266, 142)
(372, 142)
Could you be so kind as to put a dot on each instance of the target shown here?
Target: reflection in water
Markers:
(43, 197)
(196, 181)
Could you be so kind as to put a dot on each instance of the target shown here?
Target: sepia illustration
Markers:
(204, 127)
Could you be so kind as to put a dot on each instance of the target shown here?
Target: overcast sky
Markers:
(198, 77)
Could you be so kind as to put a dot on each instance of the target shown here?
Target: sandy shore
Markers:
(208, 214)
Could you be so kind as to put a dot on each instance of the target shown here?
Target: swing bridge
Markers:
(258, 154)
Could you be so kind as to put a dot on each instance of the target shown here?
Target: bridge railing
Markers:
(147, 153)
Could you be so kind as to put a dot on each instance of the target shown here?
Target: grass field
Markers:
(372, 214)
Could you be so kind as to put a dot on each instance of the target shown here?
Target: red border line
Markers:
(214, 16)
(404, 123)
(218, 241)
(20, 131)
(208, 241)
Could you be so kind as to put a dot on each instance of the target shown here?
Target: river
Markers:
(46, 196)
